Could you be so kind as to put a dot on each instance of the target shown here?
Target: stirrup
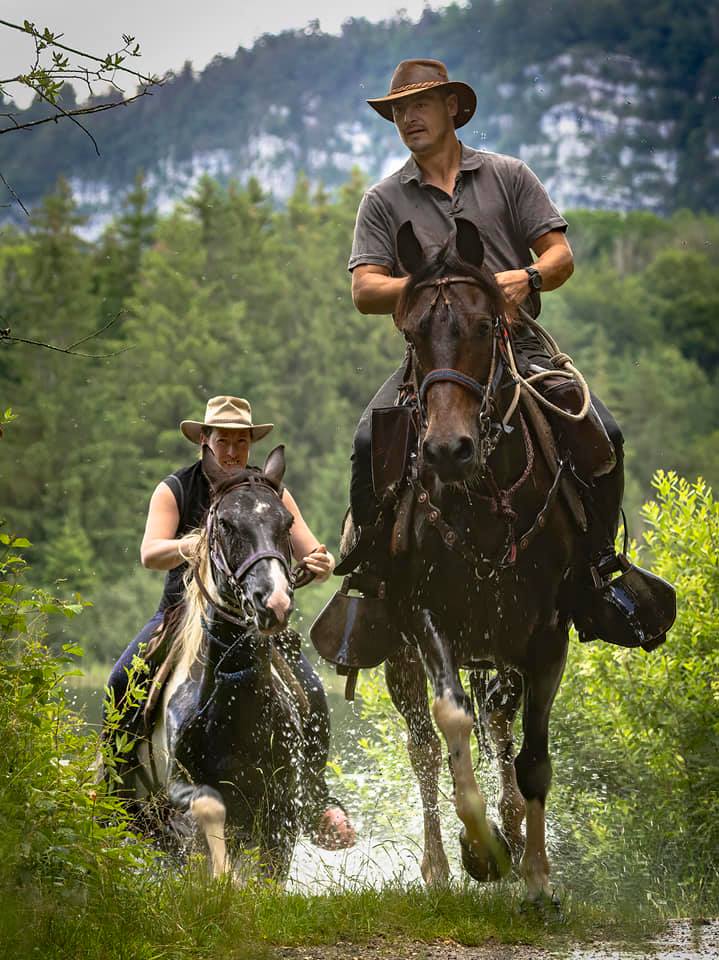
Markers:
(352, 630)
(635, 609)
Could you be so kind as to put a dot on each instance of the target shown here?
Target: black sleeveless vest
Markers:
(191, 490)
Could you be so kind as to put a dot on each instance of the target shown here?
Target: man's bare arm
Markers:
(554, 261)
(374, 290)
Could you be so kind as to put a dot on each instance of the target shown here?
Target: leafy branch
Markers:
(52, 68)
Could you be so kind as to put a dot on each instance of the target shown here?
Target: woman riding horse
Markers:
(177, 508)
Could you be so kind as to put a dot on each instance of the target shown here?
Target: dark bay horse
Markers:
(226, 747)
(485, 579)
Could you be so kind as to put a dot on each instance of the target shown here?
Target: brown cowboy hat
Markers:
(231, 413)
(413, 76)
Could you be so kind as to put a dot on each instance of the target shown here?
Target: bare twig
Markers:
(96, 333)
(6, 337)
(14, 195)
(81, 111)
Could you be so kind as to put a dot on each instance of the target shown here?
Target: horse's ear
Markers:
(274, 468)
(409, 250)
(211, 468)
(469, 242)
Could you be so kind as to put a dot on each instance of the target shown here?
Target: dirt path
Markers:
(682, 940)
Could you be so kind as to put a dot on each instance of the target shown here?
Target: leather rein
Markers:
(298, 577)
(490, 432)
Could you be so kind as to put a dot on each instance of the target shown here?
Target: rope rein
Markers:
(564, 367)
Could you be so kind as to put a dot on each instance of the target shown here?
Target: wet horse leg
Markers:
(503, 699)
(533, 764)
(208, 810)
(407, 685)
(485, 853)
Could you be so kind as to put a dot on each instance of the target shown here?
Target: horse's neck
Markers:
(229, 650)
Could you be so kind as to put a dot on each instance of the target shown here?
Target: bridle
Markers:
(490, 430)
(298, 577)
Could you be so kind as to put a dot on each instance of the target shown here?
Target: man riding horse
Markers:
(443, 180)
(177, 509)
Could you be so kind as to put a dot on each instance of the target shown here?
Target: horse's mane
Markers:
(447, 262)
(189, 631)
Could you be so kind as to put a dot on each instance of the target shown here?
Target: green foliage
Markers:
(60, 829)
(638, 762)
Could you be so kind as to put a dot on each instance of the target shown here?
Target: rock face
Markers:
(612, 109)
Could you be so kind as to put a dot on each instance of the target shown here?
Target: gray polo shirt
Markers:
(499, 194)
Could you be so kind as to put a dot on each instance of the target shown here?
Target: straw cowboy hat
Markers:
(231, 413)
(413, 76)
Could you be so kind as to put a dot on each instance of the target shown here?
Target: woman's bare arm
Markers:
(305, 545)
(160, 550)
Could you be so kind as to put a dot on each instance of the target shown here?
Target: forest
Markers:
(229, 294)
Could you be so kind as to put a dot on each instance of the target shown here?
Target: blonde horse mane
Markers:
(190, 635)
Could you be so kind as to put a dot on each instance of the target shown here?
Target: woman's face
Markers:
(230, 447)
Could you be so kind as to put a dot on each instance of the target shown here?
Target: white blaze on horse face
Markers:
(261, 508)
(279, 601)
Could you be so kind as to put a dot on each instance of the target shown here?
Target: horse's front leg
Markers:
(533, 764)
(207, 808)
(407, 685)
(485, 853)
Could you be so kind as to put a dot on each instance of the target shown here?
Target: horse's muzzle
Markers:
(272, 610)
(452, 459)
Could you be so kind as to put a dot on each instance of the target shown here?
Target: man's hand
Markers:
(321, 562)
(514, 285)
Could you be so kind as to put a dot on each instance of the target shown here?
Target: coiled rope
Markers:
(563, 367)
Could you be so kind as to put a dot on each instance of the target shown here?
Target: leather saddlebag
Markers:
(393, 437)
(354, 631)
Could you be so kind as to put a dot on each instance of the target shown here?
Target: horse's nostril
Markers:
(430, 452)
(463, 449)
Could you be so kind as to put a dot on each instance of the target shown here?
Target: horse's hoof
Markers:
(545, 907)
(494, 864)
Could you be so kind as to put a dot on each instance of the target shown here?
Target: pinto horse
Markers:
(226, 747)
(485, 581)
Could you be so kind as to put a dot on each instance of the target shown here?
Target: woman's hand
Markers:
(321, 562)
(187, 547)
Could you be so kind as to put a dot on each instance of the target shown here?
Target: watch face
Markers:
(535, 280)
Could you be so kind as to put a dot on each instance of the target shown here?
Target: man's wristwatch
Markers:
(535, 278)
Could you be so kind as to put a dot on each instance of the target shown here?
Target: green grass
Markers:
(173, 918)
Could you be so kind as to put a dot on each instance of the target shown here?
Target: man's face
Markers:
(230, 447)
(424, 119)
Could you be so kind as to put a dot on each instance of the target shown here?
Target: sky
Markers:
(173, 31)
